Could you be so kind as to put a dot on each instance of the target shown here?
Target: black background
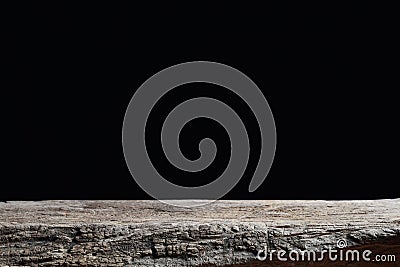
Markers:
(327, 78)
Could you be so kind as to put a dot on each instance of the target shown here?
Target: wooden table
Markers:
(224, 233)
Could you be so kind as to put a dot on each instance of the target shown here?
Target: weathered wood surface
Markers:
(150, 233)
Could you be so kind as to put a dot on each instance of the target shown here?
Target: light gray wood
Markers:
(150, 233)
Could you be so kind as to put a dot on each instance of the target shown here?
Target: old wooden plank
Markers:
(150, 233)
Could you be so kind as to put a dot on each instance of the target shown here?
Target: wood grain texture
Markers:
(150, 233)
